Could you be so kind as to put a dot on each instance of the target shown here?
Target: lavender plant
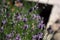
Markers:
(20, 22)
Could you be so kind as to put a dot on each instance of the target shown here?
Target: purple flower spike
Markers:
(1, 29)
(18, 17)
(42, 21)
(40, 35)
(24, 19)
(41, 26)
(25, 26)
(18, 37)
(4, 21)
(34, 37)
(8, 36)
(38, 17)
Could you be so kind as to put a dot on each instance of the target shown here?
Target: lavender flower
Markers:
(1, 29)
(40, 35)
(41, 26)
(18, 17)
(25, 27)
(35, 37)
(4, 21)
(18, 37)
(42, 22)
(38, 17)
(8, 36)
(24, 19)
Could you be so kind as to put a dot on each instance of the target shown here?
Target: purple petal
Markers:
(42, 21)
(38, 17)
(8, 36)
(40, 35)
(18, 37)
(41, 26)
(34, 36)
(1, 29)
(25, 26)
(4, 21)
(24, 19)
(18, 17)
